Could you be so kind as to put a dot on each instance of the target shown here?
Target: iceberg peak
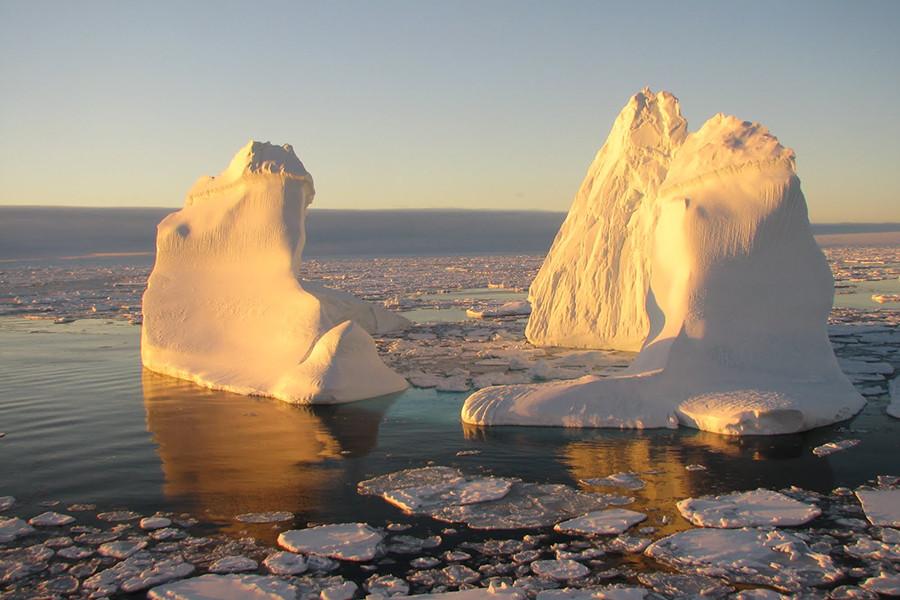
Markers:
(257, 159)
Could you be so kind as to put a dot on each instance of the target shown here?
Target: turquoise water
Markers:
(85, 423)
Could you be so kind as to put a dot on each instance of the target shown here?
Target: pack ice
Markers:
(702, 248)
(225, 306)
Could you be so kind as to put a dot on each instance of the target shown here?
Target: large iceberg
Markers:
(590, 292)
(737, 303)
(225, 307)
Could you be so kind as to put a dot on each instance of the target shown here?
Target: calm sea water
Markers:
(85, 423)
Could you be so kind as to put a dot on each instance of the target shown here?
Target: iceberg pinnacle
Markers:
(225, 306)
(736, 307)
(590, 292)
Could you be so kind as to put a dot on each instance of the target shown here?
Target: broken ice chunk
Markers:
(604, 522)
(344, 541)
(756, 508)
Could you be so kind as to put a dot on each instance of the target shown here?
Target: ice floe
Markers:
(226, 587)
(760, 507)
(832, 447)
(6, 502)
(560, 570)
(232, 564)
(343, 541)
(882, 506)
(611, 521)
(13, 528)
(265, 517)
(629, 481)
(768, 557)
(285, 563)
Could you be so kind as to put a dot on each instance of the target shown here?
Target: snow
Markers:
(560, 570)
(882, 506)
(721, 351)
(755, 508)
(774, 557)
(603, 522)
(343, 541)
(226, 587)
(225, 307)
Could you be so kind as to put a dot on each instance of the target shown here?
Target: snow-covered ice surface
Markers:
(720, 353)
(755, 508)
(224, 306)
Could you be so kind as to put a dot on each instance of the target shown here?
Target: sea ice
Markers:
(225, 307)
(13, 528)
(721, 352)
(233, 564)
(882, 506)
(893, 408)
(151, 523)
(755, 508)
(6, 502)
(491, 593)
(629, 481)
(832, 447)
(121, 549)
(509, 309)
(768, 557)
(527, 505)
(51, 519)
(887, 584)
(226, 587)
(343, 541)
(265, 517)
(461, 491)
(560, 570)
(684, 587)
(610, 592)
(285, 563)
(611, 521)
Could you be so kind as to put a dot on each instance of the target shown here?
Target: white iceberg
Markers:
(755, 508)
(738, 299)
(508, 309)
(590, 292)
(225, 307)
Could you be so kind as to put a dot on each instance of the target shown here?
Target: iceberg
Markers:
(590, 291)
(225, 306)
(737, 302)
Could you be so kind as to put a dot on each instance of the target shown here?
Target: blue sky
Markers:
(421, 104)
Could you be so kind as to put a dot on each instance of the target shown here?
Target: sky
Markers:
(424, 104)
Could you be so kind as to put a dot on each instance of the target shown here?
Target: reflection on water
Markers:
(224, 454)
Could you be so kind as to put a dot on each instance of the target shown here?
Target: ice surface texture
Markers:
(736, 302)
(225, 306)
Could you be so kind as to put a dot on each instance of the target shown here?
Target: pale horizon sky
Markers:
(410, 104)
